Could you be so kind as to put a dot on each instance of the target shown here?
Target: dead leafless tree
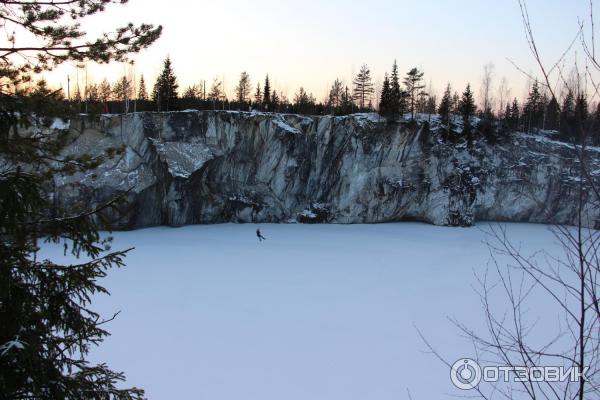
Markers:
(568, 282)
(503, 95)
(486, 87)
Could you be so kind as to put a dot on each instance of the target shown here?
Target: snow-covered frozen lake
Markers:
(315, 312)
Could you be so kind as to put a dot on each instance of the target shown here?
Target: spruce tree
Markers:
(533, 109)
(581, 109)
(397, 96)
(543, 108)
(363, 87)
(403, 106)
(467, 109)
(595, 131)
(47, 326)
(515, 115)
(346, 101)
(445, 107)
(142, 91)
(422, 102)
(552, 115)
(384, 102)
(567, 117)
(165, 90)
(430, 106)
(267, 94)
(334, 101)
(581, 116)
(455, 103)
(258, 98)
(506, 116)
(275, 102)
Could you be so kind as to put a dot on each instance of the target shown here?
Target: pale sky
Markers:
(310, 43)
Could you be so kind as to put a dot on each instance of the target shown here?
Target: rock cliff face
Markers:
(207, 167)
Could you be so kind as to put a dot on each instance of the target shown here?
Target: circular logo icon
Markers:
(465, 374)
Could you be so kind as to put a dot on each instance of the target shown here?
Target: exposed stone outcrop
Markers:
(217, 166)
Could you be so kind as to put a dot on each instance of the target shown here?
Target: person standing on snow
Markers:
(259, 235)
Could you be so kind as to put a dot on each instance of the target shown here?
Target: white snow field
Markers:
(315, 312)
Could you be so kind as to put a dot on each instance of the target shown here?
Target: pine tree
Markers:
(414, 88)
(216, 92)
(267, 94)
(445, 107)
(105, 91)
(385, 103)
(47, 326)
(92, 93)
(123, 91)
(165, 90)
(243, 88)
(191, 96)
(142, 91)
(303, 102)
(467, 109)
(192, 92)
(363, 87)
(77, 97)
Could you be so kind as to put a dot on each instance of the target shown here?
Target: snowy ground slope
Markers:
(315, 312)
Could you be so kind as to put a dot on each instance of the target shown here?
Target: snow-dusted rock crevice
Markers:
(219, 166)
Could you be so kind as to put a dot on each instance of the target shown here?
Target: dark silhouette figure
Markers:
(259, 235)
